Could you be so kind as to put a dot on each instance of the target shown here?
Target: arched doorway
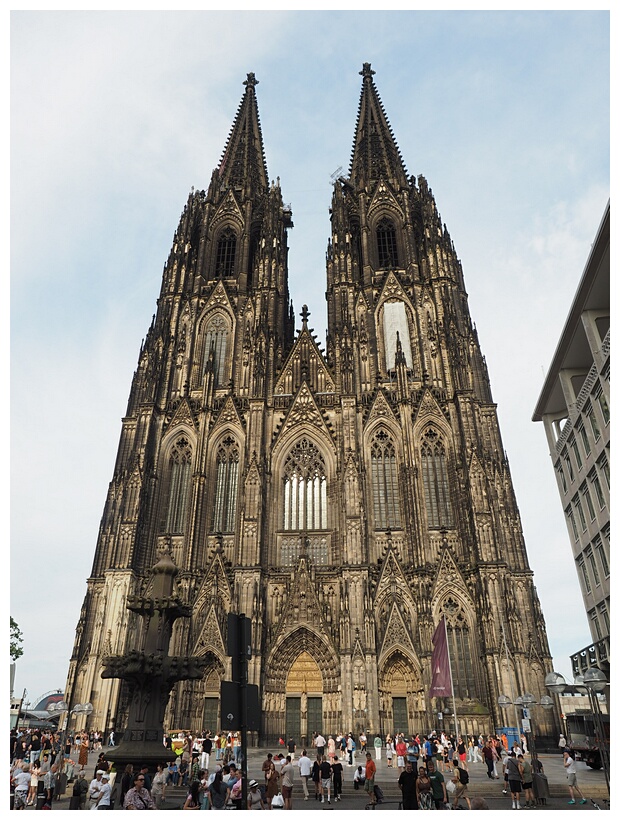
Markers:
(304, 699)
(399, 687)
(210, 715)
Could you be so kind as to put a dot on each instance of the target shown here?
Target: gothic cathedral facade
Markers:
(342, 498)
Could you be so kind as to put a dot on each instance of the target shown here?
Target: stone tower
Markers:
(344, 499)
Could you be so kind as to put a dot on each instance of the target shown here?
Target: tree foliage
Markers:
(16, 641)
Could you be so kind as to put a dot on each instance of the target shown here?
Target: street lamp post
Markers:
(526, 702)
(592, 683)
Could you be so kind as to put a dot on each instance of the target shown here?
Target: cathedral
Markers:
(344, 497)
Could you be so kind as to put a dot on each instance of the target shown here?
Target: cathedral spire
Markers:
(243, 162)
(375, 153)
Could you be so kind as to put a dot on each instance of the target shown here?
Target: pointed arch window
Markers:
(384, 476)
(226, 485)
(461, 648)
(179, 471)
(387, 251)
(435, 481)
(215, 343)
(225, 255)
(305, 488)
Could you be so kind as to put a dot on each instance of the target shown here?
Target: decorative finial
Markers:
(367, 71)
(304, 316)
(252, 82)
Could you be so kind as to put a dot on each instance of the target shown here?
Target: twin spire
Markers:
(375, 154)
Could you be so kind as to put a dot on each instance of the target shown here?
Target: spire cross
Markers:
(251, 81)
(367, 71)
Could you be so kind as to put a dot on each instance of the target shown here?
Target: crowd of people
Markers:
(432, 771)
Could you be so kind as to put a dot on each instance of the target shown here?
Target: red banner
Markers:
(441, 686)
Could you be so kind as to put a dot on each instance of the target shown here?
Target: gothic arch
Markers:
(285, 653)
(176, 464)
(225, 469)
(401, 697)
(215, 332)
(462, 631)
(396, 295)
(383, 453)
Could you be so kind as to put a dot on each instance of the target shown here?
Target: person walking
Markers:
(337, 772)
(389, 751)
(305, 771)
(460, 778)
(571, 774)
(326, 780)
(369, 783)
(286, 779)
(378, 743)
(255, 797)
(513, 776)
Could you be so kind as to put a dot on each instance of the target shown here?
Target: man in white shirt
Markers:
(305, 770)
(95, 786)
(319, 742)
(105, 793)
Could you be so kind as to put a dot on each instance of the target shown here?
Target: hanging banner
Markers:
(441, 686)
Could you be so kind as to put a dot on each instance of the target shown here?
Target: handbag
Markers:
(277, 802)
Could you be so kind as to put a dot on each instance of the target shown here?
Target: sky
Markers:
(116, 115)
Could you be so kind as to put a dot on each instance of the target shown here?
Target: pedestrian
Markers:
(291, 748)
(104, 800)
(326, 780)
(138, 797)
(378, 743)
(286, 780)
(571, 774)
(316, 777)
(21, 782)
(111, 738)
(267, 766)
(304, 765)
(461, 750)
(527, 780)
(331, 749)
(389, 751)
(513, 776)
(407, 785)
(205, 752)
(438, 785)
(350, 748)
(218, 793)
(319, 742)
(255, 797)
(401, 753)
(337, 772)
(362, 739)
(193, 801)
(488, 757)
(424, 790)
(562, 744)
(369, 783)
(158, 786)
(460, 778)
(272, 783)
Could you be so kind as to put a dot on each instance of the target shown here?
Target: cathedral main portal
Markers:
(304, 699)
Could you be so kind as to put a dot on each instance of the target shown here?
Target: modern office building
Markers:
(574, 407)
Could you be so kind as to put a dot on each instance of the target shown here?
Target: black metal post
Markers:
(243, 668)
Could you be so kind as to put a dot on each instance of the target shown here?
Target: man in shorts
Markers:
(571, 773)
(326, 780)
(286, 780)
(369, 783)
(513, 774)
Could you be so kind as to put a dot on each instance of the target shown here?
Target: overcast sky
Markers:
(115, 116)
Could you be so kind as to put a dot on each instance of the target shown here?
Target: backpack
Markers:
(463, 777)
